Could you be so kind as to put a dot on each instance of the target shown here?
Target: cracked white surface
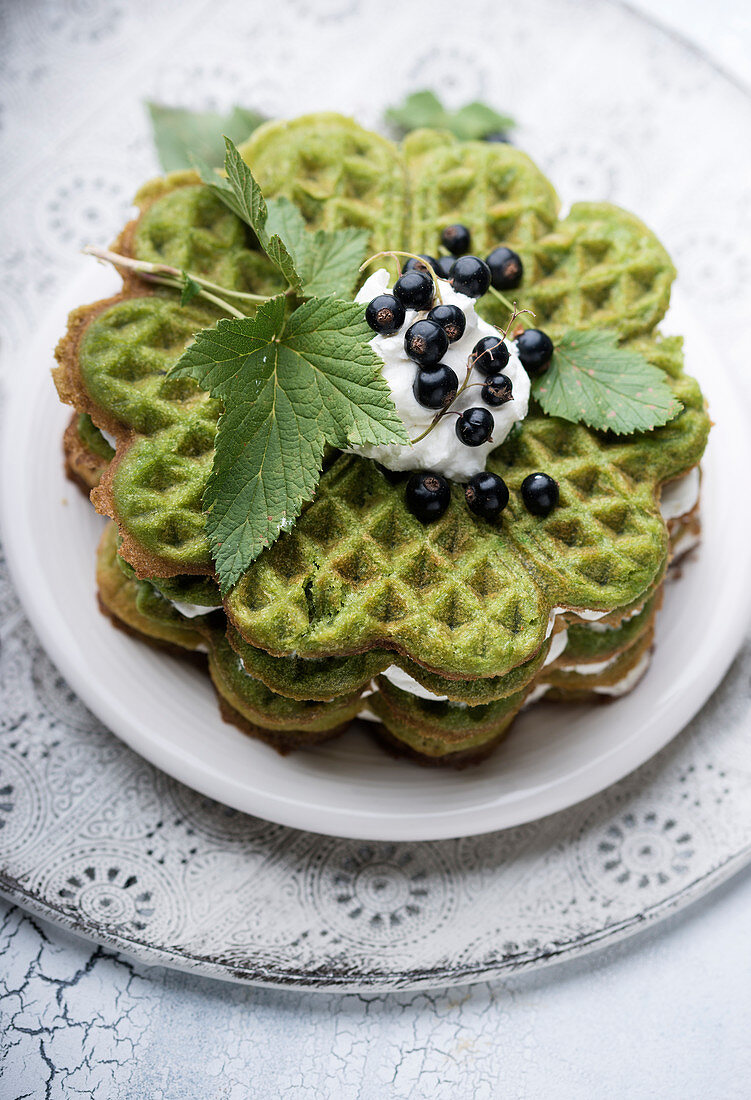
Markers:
(645, 1019)
(665, 1015)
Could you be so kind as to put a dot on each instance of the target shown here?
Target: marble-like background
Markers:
(666, 1014)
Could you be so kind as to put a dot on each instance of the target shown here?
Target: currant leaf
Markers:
(290, 384)
(593, 380)
(180, 134)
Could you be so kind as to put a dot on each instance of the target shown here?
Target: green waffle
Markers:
(568, 685)
(358, 583)
(308, 678)
(135, 604)
(585, 644)
(496, 191)
(438, 729)
(430, 731)
(336, 173)
(184, 225)
(87, 453)
(286, 723)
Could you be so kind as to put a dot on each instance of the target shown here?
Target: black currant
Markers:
(385, 314)
(475, 426)
(443, 266)
(435, 387)
(497, 390)
(424, 264)
(451, 319)
(414, 289)
(426, 342)
(535, 349)
(489, 355)
(427, 495)
(471, 276)
(498, 137)
(539, 493)
(506, 268)
(486, 494)
(456, 239)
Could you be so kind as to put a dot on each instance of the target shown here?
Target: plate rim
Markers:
(335, 821)
(275, 977)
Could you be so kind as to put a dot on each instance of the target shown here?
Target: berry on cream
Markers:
(442, 451)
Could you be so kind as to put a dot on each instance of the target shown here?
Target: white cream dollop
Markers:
(557, 646)
(441, 450)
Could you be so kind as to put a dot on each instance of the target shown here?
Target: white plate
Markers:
(163, 709)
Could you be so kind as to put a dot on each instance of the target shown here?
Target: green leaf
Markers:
(249, 203)
(190, 289)
(285, 220)
(241, 193)
(327, 260)
(180, 134)
(473, 122)
(330, 261)
(289, 386)
(278, 252)
(418, 111)
(321, 263)
(476, 121)
(593, 380)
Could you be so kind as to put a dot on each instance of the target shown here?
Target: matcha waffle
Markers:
(430, 731)
(358, 586)
(435, 731)
(605, 679)
(139, 609)
(87, 453)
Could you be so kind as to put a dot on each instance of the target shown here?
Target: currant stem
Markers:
(163, 272)
(445, 411)
(513, 306)
(438, 416)
(168, 280)
(502, 298)
(515, 312)
(244, 294)
(395, 254)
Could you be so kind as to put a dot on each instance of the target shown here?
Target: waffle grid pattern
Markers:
(192, 229)
(437, 730)
(498, 198)
(598, 269)
(335, 172)
(358, 583)
(358, 571)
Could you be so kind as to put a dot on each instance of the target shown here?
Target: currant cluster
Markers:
(436, 385)
(428, 494)
(426, 341)
(502, 269)
(470, 275)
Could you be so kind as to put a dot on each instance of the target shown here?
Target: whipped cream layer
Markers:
(441, 450)
(620, 687)
(194, 610)
(401, 679)
(680, 496)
